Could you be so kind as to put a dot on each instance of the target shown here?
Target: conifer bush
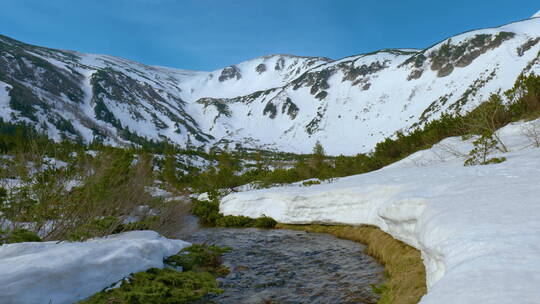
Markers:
(483, 147)
(19, 236)
(208, 214)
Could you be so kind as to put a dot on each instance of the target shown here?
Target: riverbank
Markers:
(406, 282)
(475, 226)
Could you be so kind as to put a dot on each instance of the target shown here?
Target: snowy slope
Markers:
(67, 272)
(361, 100)
(477, 227)
(282, 101)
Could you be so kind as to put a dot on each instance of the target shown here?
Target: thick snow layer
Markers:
(53, 272)
(477, 227)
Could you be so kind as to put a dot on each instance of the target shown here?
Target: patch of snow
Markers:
(156, 191)
(476, 227)
(536, 15)
(67, 272)
(202, 197)
(5, 110)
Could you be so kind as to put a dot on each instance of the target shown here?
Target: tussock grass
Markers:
(407, 277)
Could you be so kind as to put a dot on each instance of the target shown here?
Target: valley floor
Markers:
(477, 227)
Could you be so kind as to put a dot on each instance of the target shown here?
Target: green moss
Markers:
(159, 286)
(200, 264)
(200, 258)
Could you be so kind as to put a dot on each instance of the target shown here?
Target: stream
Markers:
(284, 266)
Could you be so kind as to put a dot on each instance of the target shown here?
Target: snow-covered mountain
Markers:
(278, 101)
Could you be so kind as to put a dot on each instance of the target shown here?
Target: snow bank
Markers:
(53, 272)
(478, 228)
(536, 15)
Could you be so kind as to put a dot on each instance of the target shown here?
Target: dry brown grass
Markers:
(407, 277)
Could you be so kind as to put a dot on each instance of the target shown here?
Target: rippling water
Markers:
(283, 266)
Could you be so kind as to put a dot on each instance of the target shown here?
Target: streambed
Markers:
(284, 266)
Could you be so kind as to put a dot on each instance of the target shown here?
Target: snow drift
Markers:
(477, 227)
(64, 272)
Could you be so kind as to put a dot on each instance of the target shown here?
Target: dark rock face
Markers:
(112, 88)
(19, 65)
(230, 73)
(415, 74)
(321, 95)
(46, 85)
(451, 55)
(280, 64)
(352, 73)
(37, 86)
(527, 46)
(261, 68)
(317, 80)
(270, 109)
(290, 108)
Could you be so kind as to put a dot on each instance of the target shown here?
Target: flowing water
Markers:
(283, 266)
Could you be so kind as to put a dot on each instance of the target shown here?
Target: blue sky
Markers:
(211, 34)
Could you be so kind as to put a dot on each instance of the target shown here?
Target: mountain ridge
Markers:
(280, 101)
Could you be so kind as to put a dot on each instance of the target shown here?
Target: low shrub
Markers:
(479, 155)
(20, 236)
(111, 225)
(208, 214)
(311, 183)
(206, 211)
(145, 224)
(234, 221)
(100, 226)
(264, 222)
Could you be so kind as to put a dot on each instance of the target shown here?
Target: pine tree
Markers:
(169, 172)
(483, 146)
(318, 155)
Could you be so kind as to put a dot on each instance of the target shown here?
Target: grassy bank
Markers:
(406, 283)
(200, 264)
